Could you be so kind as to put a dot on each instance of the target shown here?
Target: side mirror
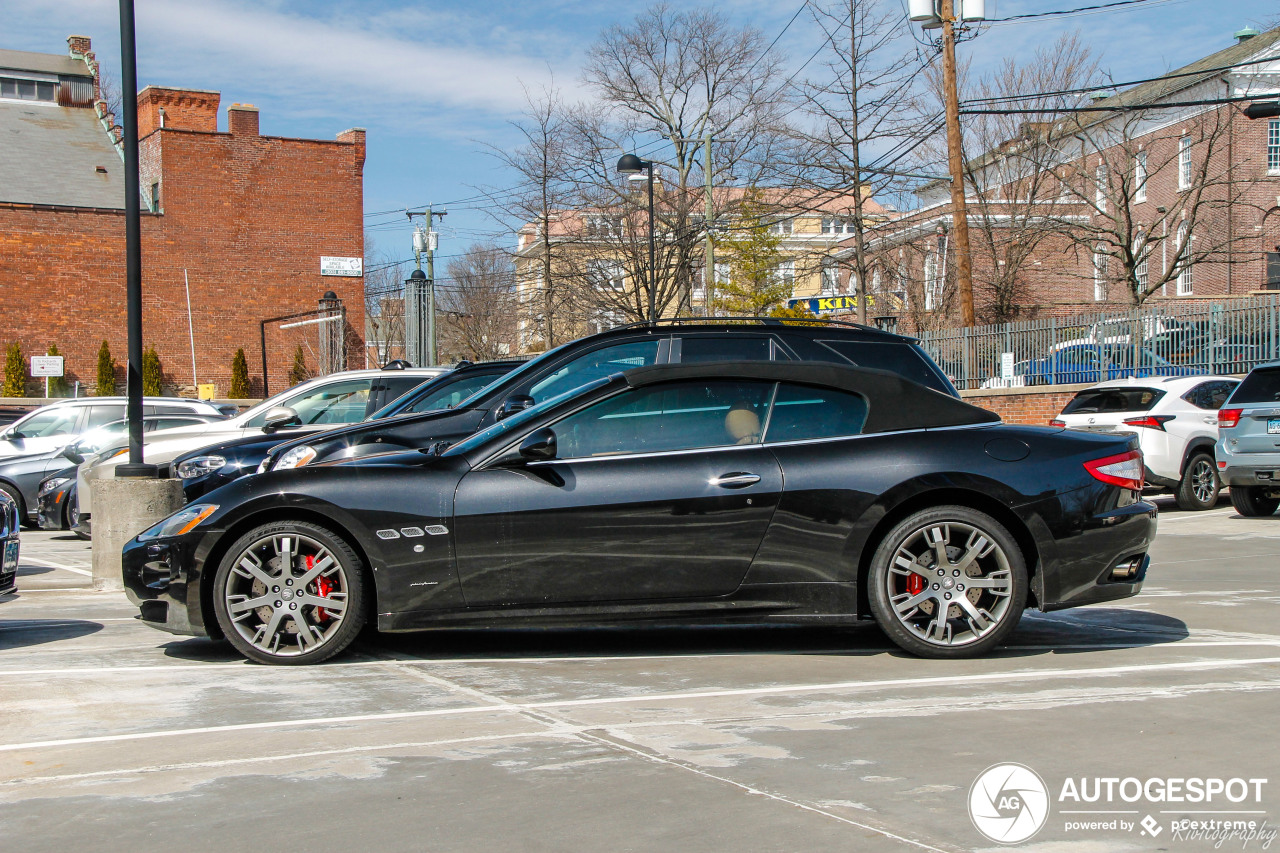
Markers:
(539, 446)
(279, 418)
(511, 405)
(73, 454)
(12, 434)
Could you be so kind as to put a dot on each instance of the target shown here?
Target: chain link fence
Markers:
(1182, 339)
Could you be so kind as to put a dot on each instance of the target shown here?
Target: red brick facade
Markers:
(1033, 406)
(247, 217)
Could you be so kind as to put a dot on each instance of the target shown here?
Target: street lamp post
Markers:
(630, 164)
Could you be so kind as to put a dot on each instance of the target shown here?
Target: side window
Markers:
(725, 348)
(99, 415)
(388, 388)
(801, 413)
(59, 421)
(902, 359)
(172, 422)
(1210, 395)
(169, 410)
(594, 365)
(335, 403)
(675, 416)
(450, 395)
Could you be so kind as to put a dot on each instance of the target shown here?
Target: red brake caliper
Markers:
(324, 586)
(915, 584)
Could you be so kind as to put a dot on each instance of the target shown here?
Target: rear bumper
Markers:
(1251, 475)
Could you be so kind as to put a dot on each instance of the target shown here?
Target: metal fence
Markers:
(1230, 336)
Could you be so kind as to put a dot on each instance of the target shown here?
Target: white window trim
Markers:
(1186, 275)
(1184, 163)
(1100, 271)
(1273, 146)
(1140, 177)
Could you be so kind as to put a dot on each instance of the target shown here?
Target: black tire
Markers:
(265, 636)
(15, 495)
(71, 513)
(1000, 600)
(1252, 501)
(1198, 490)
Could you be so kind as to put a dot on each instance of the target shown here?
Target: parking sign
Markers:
(46, 365)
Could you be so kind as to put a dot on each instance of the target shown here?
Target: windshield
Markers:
(1260, 386)
(508, 424)
(444, 394)
(1107, 400)
(514, 376)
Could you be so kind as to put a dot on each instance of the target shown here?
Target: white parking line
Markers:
(1197, 515)
(51, 564)
(520, 707)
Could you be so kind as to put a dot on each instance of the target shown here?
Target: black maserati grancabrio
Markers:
(713, 493)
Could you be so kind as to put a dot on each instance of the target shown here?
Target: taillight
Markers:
(1229, 417)
(1057, 422)
(1123, 470)
(1152, 421)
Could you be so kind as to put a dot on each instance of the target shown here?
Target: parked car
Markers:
(749, 492)
(578, 362)
(333, 400)
(57, 507)
(21, 476)
(58, 424)
(9, 545)
(207, 468)
(9, 414)
(1249, 450)
(1176, 422)
(1083, 363)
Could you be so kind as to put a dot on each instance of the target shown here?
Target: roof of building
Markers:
(42, 63)
(57, 155)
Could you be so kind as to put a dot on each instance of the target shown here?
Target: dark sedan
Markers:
(56, 504)
(208, 468)
(9, 545)
(721, 492)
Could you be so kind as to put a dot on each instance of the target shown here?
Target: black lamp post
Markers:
(630, 164)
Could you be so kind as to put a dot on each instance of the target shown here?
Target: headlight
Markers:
(49, 485)
(180, 522)
(295, 458)
(198, 466)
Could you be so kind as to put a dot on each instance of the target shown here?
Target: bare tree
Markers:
(860, 103)
(384, 276)
(1017, 198)
(479, 305)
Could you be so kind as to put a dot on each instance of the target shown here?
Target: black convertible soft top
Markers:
(895, 403)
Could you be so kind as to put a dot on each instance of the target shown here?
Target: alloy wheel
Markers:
(1204, 481)
(286, 594)
(949, 583)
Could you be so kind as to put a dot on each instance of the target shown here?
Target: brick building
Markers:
(1153, 195)
(245, 218)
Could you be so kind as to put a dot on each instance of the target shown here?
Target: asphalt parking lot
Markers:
(115, 737)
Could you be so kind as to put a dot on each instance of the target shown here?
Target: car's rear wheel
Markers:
(1200, 485)
(1253, 501)
(290, 592)
(948, 582)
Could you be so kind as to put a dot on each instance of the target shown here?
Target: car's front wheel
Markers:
(1253, 501)
(948, 582)
(1199, 487)
(290, 592)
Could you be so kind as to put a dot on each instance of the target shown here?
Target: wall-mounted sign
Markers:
(832, 304)
(353, 267)
(46, 365)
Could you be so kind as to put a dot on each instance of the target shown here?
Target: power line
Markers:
(1082, 10)
(1209, 102)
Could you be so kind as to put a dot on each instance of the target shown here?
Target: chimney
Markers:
(78, 46)
(242, 120)
(184, 109)
(1242, 36)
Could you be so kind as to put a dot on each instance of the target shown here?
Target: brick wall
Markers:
(1033, 406)
(246, 216)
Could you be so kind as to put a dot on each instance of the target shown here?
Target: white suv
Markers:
(1176, 421)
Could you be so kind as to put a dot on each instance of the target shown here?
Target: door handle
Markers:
(736, 480)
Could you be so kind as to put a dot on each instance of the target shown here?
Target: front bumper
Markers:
(49, 509)
(162, 579)
(9, 569)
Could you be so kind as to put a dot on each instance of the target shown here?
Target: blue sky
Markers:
(436, 82)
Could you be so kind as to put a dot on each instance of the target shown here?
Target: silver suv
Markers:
(1249, 448)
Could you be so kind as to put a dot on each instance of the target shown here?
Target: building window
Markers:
(607, 275)
(781, 227)
(1140, 269)
(1100, 187)
(932, 290)
(1100, 264)
(830, 277)
(603, 321)
(1273, 147)
(836, 225)
(1184, 163)
(785, 274)
(605, 226)
(1183, 261)
(155, 197)
(20, 89)
(1140, 177)
(875, 281)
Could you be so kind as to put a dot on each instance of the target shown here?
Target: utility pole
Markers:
(955, 159)
(709, 273)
